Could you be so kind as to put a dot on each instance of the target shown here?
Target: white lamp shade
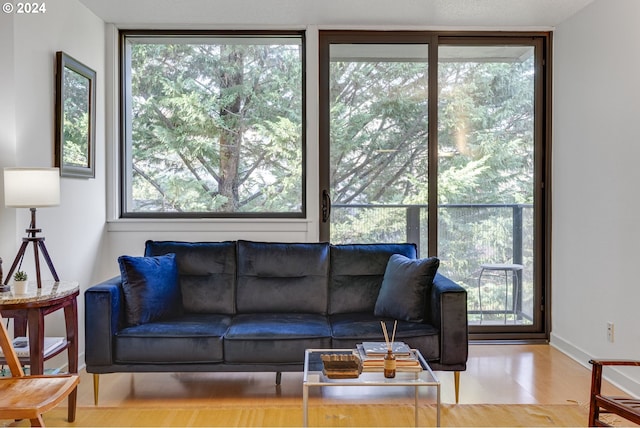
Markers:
(31, 187)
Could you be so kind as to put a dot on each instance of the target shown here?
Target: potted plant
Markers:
(20, 282)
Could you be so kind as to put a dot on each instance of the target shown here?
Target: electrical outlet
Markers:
(610, 332)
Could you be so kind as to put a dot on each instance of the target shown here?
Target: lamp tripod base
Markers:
(38, 246)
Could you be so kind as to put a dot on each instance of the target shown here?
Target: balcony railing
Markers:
(468, 236)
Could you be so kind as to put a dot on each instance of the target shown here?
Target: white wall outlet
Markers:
(610, 332)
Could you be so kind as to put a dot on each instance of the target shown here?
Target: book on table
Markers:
(21, 346)
(372, 349)
(375, 361)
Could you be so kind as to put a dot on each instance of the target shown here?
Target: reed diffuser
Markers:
(389, 358)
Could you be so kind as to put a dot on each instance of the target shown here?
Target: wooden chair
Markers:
(27, 397)
(627, 408)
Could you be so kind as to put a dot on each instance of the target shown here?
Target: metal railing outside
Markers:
(468, 236)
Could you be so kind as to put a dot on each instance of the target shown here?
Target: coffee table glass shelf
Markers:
(408, 377)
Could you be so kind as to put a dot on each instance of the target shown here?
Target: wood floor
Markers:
(496, 374)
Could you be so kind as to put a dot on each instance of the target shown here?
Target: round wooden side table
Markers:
(28, 311)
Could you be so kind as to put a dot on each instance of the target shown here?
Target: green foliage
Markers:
(216, 127)
(76, 140)
(486, 112)
(20, 276)
(76, 119)
(378, 131)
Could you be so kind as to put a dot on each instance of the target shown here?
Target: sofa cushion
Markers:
(403, 294)
(282, 277)
(350, 329)
(150, 287)
(275, 338)
(191, 338)
(357, 271)
(207, 273)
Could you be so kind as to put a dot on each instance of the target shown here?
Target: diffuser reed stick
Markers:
(386, 334)
(393, 336)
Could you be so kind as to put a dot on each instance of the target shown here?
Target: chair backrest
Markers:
(9, 353)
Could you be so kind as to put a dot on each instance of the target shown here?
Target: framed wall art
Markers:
(75, 133)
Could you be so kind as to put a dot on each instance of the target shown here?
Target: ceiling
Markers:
(500, 14)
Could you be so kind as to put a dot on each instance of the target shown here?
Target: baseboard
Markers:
(64, 367)
(611, 374)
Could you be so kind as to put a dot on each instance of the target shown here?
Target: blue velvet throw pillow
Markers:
(151, 288)
(403, 293)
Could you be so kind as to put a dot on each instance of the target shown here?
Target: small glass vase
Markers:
(389, 365)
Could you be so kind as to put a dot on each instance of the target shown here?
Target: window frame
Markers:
(124, 160)
(542, 41)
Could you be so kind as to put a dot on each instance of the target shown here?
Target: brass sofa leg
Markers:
(96, 387)
(456, 380)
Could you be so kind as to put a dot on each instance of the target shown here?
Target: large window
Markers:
(212, 124)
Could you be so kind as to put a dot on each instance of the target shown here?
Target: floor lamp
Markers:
(31, 188)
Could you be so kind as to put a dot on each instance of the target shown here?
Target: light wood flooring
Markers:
(496, 374)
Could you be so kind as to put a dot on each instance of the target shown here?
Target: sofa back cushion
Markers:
(357, 271)
(282, 277)
(206, 271)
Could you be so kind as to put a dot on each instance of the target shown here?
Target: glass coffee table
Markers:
(314, 377)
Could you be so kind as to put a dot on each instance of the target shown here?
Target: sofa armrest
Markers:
(104, 308)
(448, 312)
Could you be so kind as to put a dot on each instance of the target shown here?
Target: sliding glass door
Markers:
(486, 180)
(440, 140)
(378, 155)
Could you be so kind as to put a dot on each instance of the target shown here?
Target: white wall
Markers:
(74, 230)
(7, 134)
(596, 232)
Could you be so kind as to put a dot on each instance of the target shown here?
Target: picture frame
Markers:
(75, 122)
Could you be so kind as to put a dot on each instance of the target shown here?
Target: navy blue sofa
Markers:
(256, 306)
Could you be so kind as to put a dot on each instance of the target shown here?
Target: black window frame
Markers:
(543, 42)
(124, 155)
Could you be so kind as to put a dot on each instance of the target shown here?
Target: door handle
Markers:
(326, 205)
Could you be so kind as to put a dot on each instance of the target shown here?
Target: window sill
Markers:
(209, 224)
